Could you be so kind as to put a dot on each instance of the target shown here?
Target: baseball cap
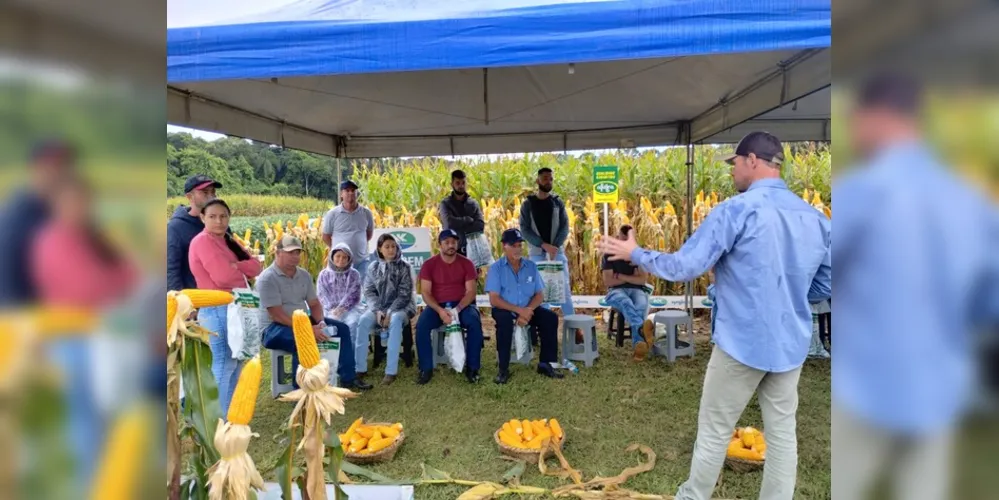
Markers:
(448, 233)
(288, 243)
(200, 181)
(764, 145)
(511, 236)
(53, 148)
(348, 185)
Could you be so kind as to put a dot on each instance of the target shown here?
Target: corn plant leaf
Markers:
(201, 403)
(434, 474)
(356, 470)
(285, 471)
(335, 454)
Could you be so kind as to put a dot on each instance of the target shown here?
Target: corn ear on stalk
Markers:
(171, 308)
(244, 399)
(118, 475)
(207, 298)
(305, 340)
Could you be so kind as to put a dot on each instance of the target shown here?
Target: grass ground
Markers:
(449, 423)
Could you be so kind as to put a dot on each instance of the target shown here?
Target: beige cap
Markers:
(288, 243)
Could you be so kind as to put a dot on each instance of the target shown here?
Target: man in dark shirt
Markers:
(626, 293)
(447, 281)
(544, 222)
(24, 214)
(460, 212)
(183, 227)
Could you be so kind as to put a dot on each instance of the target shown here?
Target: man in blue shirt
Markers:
(915, 281)
(515, 293)
(770, 252)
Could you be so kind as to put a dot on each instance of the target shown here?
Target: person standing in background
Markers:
(544, 223)
(219, 263)
(460, 212)
(771, 255)
(185, 224)
(25, 214)
(351, 224)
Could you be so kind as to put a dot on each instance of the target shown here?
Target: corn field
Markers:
(659, 228)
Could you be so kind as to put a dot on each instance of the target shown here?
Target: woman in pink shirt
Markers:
(219, 263)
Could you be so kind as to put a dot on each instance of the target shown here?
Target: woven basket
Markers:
(743, 465)
(526, 454)
(383, 455)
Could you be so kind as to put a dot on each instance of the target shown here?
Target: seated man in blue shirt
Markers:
(515, 293)
(771, 256)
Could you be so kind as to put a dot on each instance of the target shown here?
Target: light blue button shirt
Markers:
(916, 255)
(771, 255)
(517, 288)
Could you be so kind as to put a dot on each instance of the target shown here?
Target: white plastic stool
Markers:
(585, 352)
(279, 373)
(437, 341)
(670, 346)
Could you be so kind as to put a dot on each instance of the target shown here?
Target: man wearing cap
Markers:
(284, 288)
(515, 292)
(25, 214)
(460, 212)
(351, 224)
(183, 227)
(771, 256)
(448, 281)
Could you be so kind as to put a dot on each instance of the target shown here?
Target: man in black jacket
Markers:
(183, 227)
(460, 212)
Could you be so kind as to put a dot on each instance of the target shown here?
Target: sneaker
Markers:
(641, 350)
(388, 380)
(502, 377)
(425, 377)
(472, 376)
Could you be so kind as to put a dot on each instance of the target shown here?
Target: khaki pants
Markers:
(728, 386)
(920, 466)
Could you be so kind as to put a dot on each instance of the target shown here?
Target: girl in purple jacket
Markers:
(339, 288)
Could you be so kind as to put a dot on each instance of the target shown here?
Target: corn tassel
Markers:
(305, 340)
(244, 400)
(208, 298)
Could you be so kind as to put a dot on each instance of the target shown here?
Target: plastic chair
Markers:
(585, 352)
(670, 346)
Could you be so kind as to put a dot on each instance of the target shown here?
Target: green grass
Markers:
(449, 423)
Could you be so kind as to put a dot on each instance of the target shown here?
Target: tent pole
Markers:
(689, 298)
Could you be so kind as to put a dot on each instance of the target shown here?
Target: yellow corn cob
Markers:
(117, 477)
(528, 430)
(244, 399)
(171, 307)
(305, 340)
(389, 432)
(367, 432)
(556, 429)
(207, 298)
(357, 446)
(353, 427)
(379, 444)
(397, 426)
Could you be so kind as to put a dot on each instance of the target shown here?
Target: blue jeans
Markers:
(430, 320)
(362, 266)
(633, 303)
(85, 423)
(364, 327)
(567, 308)
(282, 338)
(225, 369)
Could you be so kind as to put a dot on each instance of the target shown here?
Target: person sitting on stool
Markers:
(448, 281)
(625, 284)
(515, 293)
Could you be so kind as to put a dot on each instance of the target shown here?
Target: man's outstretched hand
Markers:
(616, 249)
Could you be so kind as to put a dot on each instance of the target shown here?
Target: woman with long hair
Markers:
(220, 263)
(388, 292)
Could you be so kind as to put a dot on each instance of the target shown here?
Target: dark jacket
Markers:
(560, 225)
(181, 229)
(465, 217)
(20, 220)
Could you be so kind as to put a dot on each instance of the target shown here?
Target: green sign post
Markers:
(606, 188)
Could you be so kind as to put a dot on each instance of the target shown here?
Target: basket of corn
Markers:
(524, 439)
(368, 443)
(747, 450)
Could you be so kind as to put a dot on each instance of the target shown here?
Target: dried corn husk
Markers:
(316, 401)
(233, 476)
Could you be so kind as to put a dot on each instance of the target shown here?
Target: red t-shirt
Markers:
(448, 279)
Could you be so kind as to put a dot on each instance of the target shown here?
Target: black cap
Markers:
(764, 145)
(897, 92)
(448, 233)
(199, 181)
(53, 148)
(511, 236)
(348, 184)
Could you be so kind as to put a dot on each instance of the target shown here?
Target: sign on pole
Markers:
(605, 188)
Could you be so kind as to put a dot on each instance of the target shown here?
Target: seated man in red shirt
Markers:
(448, 281)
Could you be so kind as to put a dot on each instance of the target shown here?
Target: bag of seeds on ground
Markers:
(554, 277)
(478, 250)
(454, 343)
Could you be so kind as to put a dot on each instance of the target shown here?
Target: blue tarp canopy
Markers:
(414, 77)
